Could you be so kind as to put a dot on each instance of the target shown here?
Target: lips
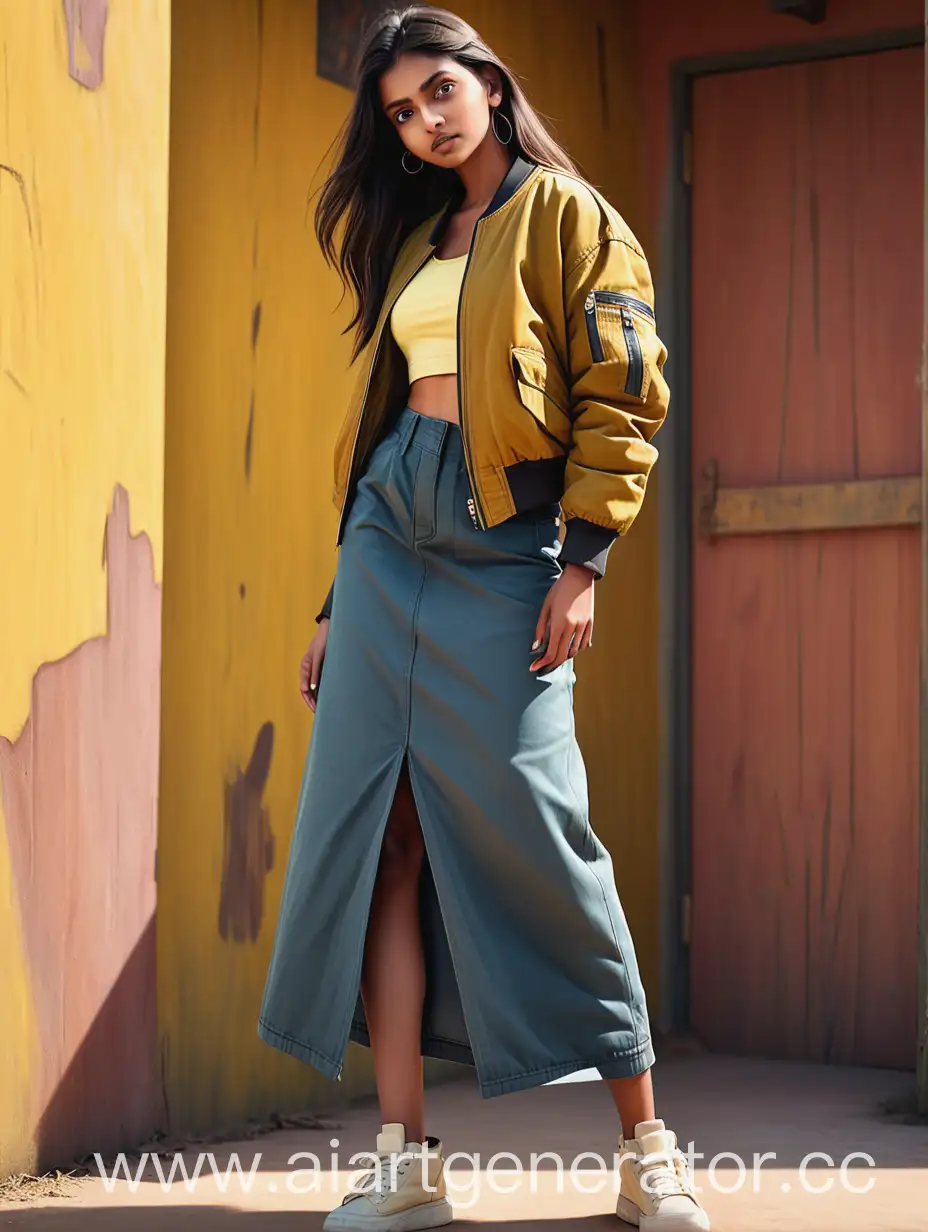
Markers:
(442, 140)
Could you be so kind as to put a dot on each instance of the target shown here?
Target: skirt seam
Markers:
(618, 947)
(624, 1055)
(299, 1047)
(560, 1068)
(602, 889)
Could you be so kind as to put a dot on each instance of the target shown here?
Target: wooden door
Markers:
(806, 334)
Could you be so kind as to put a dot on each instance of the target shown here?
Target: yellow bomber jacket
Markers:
(560, 368)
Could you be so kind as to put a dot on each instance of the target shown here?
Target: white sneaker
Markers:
(392, 1195)
(656, 1191)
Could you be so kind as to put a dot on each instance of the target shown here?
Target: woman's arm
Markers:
(619, 397)
(325, 612)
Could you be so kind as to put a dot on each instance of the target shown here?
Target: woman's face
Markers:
(440, 109)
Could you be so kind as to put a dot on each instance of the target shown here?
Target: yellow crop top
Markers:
(424, 318)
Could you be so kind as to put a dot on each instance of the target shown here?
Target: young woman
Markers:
(445, 894)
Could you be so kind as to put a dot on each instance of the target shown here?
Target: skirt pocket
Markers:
(548, 534)
(531, 536)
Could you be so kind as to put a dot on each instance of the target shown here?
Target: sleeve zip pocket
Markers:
(625, 305)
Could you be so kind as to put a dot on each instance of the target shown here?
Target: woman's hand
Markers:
(566, 617)
(311, 666)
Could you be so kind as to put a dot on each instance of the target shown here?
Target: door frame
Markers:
(676, 512)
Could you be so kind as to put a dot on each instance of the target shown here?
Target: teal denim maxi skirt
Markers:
(530, 969)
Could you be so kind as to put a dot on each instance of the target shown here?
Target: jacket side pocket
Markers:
(607, 313)
(530, 370)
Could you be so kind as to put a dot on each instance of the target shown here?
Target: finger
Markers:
(555, 635)
(562, 651)
(578, 642)
(587, 637)
(315, 673)
(541, 627)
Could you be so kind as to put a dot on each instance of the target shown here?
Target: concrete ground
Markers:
(720, 1104)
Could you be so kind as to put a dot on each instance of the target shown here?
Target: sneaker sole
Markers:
(627, 1210)
(425, 1215)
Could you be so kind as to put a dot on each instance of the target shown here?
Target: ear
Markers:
(493, 83)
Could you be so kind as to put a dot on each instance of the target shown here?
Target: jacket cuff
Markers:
(586, 543)
(326, 610)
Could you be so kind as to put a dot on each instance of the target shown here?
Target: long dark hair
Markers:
(380, 203)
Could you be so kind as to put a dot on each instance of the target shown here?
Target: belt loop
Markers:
(407, 426)
(442, 436)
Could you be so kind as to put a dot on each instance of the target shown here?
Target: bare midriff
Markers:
(436, 396)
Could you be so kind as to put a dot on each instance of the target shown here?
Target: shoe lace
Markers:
(666, 1172)
(376, 1180)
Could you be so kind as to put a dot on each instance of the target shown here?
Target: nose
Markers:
(433, 119)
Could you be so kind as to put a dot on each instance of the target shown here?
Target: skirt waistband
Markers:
(429, 433)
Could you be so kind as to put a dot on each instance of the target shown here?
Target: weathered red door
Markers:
(806, 333)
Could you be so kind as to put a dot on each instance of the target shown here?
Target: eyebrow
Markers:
(425, 85)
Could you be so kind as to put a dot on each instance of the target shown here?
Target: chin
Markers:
(460, 153)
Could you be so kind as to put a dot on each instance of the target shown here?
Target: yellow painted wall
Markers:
(248, 555)
(83, 229)
(250, 549)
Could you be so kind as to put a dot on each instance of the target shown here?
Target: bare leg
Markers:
(393, 975)
(634, 1098)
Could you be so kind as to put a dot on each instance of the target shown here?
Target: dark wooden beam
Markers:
(787, 508)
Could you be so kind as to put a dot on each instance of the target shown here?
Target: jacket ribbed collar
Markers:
(519, 171)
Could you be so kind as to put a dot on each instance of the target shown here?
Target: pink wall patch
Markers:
(86, 22)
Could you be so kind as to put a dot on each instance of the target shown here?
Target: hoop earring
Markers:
(406, 169)
(496, 113)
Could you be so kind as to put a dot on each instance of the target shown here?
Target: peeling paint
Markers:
(86, 22)
(248, 845)
(79, 790)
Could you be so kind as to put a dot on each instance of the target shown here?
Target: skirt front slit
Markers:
(531, 972)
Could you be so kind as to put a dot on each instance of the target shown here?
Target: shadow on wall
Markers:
(80, 791)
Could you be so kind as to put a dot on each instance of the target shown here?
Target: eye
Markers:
(399, 115)
(445, 85)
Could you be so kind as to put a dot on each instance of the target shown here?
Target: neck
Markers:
(483, 172)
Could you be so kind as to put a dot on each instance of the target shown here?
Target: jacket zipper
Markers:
(357, 431)
(474, 507)
(629, 301)
(634, 379)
